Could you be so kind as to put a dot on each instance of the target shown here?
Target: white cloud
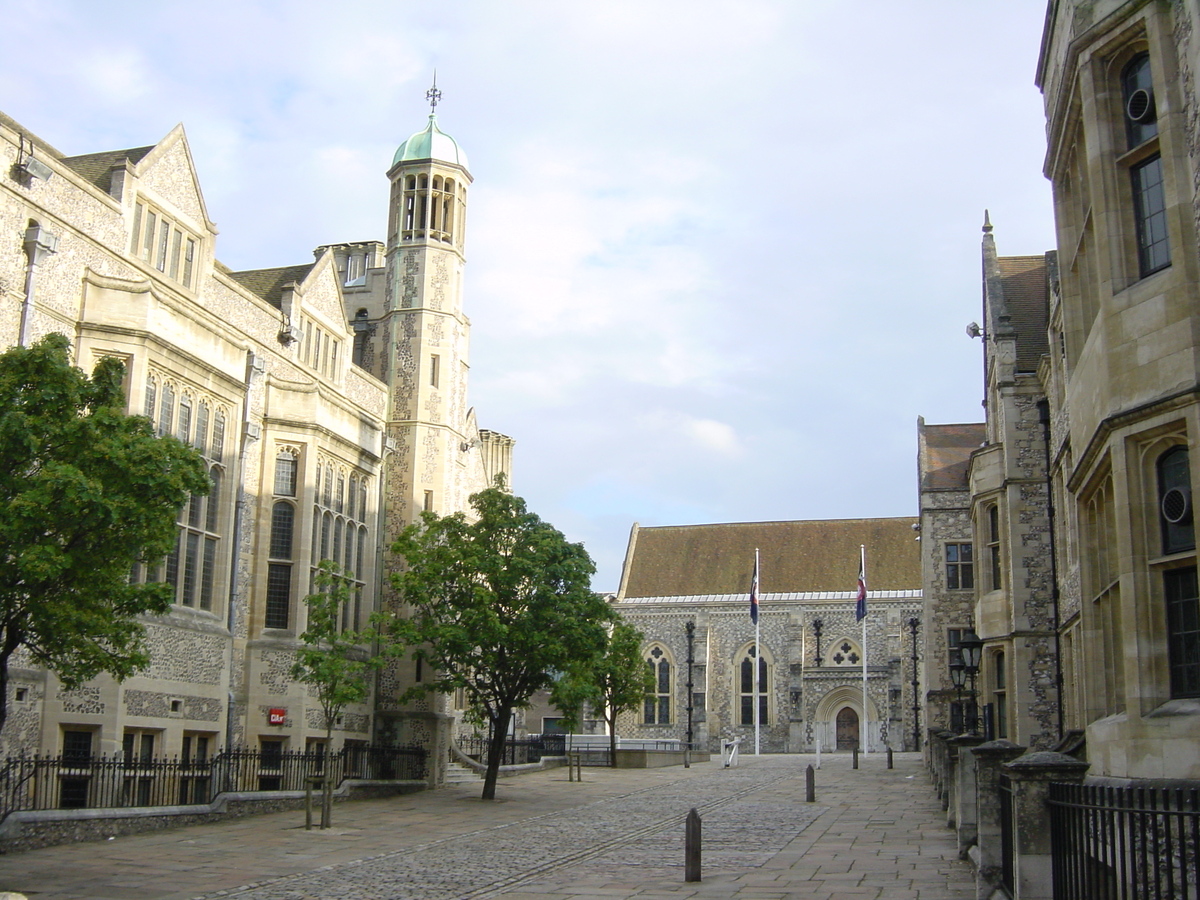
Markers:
(720, 255)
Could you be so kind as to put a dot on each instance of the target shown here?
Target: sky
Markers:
(720, 256)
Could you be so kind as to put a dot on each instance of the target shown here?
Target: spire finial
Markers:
(433, 95)
(987, 223)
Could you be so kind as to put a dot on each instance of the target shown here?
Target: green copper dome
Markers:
(432, 143)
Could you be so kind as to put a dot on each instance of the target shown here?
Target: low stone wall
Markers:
(31, 829)
(653, 759)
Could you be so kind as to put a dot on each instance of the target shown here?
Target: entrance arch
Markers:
(834, 704)
(847, 729)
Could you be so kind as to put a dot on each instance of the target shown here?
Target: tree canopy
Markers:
(497, 606)
(613, 682)
(85, 491)
(333, 659)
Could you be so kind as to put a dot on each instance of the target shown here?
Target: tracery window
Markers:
(279, 568)
(846, 653)
(746, 687)
(191, 568)
(340, 534)
(657, 706)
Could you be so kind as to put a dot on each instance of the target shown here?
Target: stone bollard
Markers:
(810, 785)
(691, 847)
(951, 801)
(944, 764)
(989, 858)
(1031, 774)
(854, 758)
(966, 816)
(889, 751)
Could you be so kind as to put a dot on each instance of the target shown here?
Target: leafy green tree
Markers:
(496, 606)
(333, 661)
(614, 682)
(85, 491)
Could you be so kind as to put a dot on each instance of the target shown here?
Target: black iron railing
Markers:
(1007, 826)
(1115, 843)
(517, 751)
(100, 782)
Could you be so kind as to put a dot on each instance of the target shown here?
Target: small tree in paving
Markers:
(337, 663)
(615, 681)
(85, 492)
(496, 606)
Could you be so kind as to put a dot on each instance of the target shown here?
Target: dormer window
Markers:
(161, 242)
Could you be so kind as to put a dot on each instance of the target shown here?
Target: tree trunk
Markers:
(327, 762)
(496, 751)
(612, 740)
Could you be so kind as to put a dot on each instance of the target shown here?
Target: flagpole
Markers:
(862, 549)
(757, 661)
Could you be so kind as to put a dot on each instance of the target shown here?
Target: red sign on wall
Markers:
(277, 717)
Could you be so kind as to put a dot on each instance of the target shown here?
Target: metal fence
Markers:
(1112, 843)
(517, 751)
(101, 782)
(1007, 836)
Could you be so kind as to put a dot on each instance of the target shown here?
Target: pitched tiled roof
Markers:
(945, 454)
(806, 556)
(1024, 283)
(95, 167)
(268, 283)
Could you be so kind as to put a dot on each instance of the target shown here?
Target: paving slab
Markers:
(873, 833)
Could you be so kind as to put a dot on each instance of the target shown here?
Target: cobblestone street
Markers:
(873, 833)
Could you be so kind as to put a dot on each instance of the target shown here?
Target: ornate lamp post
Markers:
(958, 678)
(817, 626)
(913, 624)
(690, 628)
(971, 646)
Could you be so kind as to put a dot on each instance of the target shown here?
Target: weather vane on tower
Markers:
(433, 95)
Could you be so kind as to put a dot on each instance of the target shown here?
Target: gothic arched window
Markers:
(745, 678)
(657, 707)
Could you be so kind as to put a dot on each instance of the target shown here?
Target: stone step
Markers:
(457, 773)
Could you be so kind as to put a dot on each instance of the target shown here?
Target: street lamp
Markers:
(970, 647)
(958, 677)
(690, 628)
(913, 624)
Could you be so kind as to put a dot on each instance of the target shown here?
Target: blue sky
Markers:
(720, 255)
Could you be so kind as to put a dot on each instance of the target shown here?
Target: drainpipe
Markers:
(246, 433)
(39, 243)
(1043, 406)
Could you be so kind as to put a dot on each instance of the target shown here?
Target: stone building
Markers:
(810, 664)
(328, 398)
(948, 562)
(988, 554)
(1121, 376)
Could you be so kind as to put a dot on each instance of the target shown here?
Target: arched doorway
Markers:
(847, 729)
